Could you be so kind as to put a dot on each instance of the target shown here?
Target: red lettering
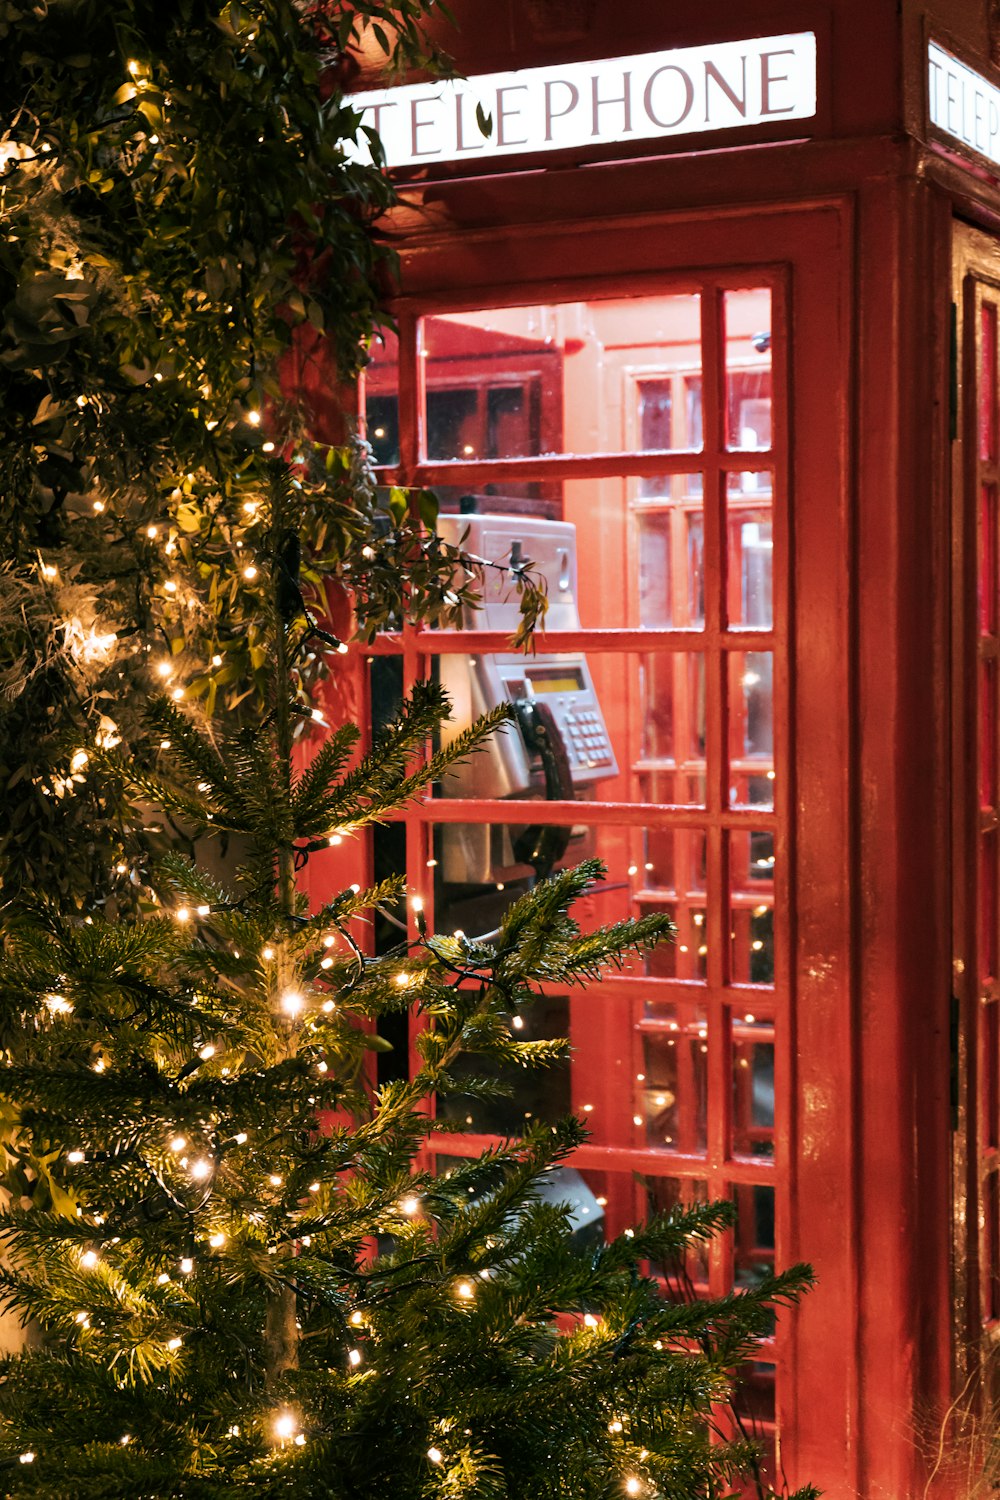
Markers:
(625, 99)
(557, 114)
(416, 125)
(459, 127)
(647, 98)
(769, 79)
(503, 114)
(738, 101)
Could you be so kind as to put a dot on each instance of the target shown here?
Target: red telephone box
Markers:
(743, 339)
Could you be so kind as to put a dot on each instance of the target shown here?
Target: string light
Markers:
(217, 1240)
(435, 1455)
(201, 1169)
(207, 1051)
(240, 1138)
(187, 1265)
(79, 760)
(89, 1259)
(632, 1485)
(284, 1425)
(409, 1205)
(275, 1180)
(465, 1290)
(178, 1143)
(26, 1458)
(291, 1002)
(253, 417)
(174, 1343)
(354, 1357)
(162, 1279)
(182, 914)
(58, 1005)
(250, 573)
(267, 954)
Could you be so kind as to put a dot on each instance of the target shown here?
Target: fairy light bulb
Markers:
(76, 1157)
(182, 914)
(267, 954)
(253, 417)
(58, 1005)
(207, 1051)
(417, 902)
(275, 1180)
(178, 1143)
(162, 1279)
(187, 1265)
(284, 1425)
(356, 1318)
(201, 1169)
(354, 1357)
(292, 1002)
(203, 911)
(217, 1240)
(633, 1486)
(240, 1138)
(435, 1455)
(26, 1458)
(174, 1343)
(326, 963)
(465, 1290)
(409, 1205)
(250, 573)
(79, 760)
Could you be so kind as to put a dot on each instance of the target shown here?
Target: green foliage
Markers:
(180, 213)
(241, 1279)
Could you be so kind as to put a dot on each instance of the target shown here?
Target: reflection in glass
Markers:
(751, 729)
(753, 1094)
(533, 1094)
(750, 540)
(672, 1093)
(754, 1235)
(748, 369)
(518, 382)
(689, 1275)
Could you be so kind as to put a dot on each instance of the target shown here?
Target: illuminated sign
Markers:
(687, 91)
(962, 103)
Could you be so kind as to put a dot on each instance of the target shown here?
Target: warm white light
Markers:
(250, 573)
(615, 1426)
(322, 1067)
(76, 1157)
(98, 506)
(187, 1265)
(217, 1240)
(162, 1279)
(81, 1318)
(589, 1321)
(174, 1343)
(335, 838)
(292, 1002)
(49, 572)
(517, 1022)
(329, 940)
(216, 660)
(632, 1485)
(275, 1180)
(26, 1458)
(201, 1169)
(207, 1051)
(151, 533)
(326, 963)
(170, 586)
(343, 649)
(58, 1005)
(466, 1290)
(267, 954)
(356, 1319)
(314, 1187)
(253, 417)
(403, 980)
(80, 759)
(240, 1138)
(267, 447)
(417, 902)
(89, 1259)
(354, 1356)
(178, 1143)
(182, 914)
(435, 1455)
(300, 1440)
(203, 911)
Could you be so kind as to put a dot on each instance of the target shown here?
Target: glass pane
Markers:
(382, 398)
(517, 382)
(751, 910)
(670, 558)
(753, 1248)
(535, 1093)
(671, 1098)
(751, 729)
(750, 539)
(748, 369)
(753, 1094)
(621, 728)
(690, 1276)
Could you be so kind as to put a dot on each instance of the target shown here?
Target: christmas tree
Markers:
(240, 1284)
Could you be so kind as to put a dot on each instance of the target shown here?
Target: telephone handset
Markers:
(542, 845)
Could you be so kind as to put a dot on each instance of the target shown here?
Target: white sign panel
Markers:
(963, 104)
(686, 91)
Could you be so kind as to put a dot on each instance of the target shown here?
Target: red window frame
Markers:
(625, 1000)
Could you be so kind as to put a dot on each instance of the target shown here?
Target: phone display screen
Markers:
(556, 679)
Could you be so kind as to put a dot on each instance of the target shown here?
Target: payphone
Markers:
(558, 747)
